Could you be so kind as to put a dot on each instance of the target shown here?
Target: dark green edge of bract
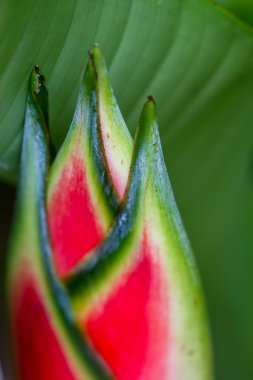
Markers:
(85, 276)
(36, 135)
(96, 143)
(105, 94)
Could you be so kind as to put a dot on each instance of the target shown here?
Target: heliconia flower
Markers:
(101, 281)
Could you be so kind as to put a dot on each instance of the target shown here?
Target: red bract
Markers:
(102, 273)
(88, 178)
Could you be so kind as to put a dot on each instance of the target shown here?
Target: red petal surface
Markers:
(74, 227)
(38, 352)
(131, 330)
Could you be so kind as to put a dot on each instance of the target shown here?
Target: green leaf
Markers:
(243, 9)
(197, 60)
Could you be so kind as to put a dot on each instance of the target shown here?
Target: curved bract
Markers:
(46, 343)
(116, 140)
(138, 296)
(88, 178)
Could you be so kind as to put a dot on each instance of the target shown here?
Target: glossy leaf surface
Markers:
(243, 9)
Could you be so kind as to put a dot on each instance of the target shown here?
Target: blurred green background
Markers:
(243, 9)
(196, 58)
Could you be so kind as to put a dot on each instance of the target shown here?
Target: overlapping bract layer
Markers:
(88, 178)
(46, 342)
(116, 283)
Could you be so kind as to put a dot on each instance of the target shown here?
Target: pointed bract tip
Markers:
(149, 108)
(38, 93)
(95, 50)
(147, 123)
(38, 73)
(150, 99)
(37, 80)
(90, 61)
(89, 77)
(150, 105)
(98, 61)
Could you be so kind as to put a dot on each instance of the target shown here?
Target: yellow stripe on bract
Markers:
(117, 141)
(74, 136)
(75, 360)
(101, 289)
(117, 147)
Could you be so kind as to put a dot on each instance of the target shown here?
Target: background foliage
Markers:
(241, 8)
(196, 58)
